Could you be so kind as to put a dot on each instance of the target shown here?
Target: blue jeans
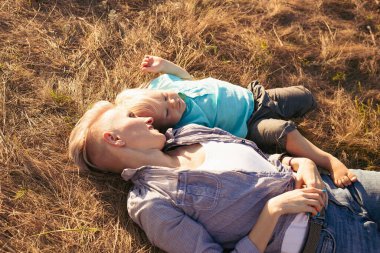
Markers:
(352, 222)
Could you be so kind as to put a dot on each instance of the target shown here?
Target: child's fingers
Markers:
(145, 69)
(338, 183)
(146, 60)
(352, 176)
(346, 181)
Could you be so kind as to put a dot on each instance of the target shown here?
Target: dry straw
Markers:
(59, 57)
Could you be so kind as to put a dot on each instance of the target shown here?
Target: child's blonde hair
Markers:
(138, 101)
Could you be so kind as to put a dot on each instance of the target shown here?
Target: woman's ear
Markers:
(113, 139)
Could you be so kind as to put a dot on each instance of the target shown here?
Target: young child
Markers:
(174, 99)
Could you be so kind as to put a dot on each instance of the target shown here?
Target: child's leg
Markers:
(298, 145)
(273, 134)
(276, 135)
(280, 103)
(292, 102)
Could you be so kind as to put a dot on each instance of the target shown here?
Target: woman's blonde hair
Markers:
(137, 101)
(79, 134)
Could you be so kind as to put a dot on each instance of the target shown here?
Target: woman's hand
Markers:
(307, 200)
(308, 175)
(153, 64)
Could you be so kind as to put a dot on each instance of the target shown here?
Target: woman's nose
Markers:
(149, 120)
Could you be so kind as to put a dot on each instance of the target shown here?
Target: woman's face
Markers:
(136, 132)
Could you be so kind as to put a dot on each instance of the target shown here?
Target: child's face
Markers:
(169, 109)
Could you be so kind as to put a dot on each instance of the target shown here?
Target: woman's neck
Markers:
(189, 157)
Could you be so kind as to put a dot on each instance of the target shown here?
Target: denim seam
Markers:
(332, 238)
(183, 185)
(349, 208)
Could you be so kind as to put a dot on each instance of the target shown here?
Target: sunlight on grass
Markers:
(79, 229)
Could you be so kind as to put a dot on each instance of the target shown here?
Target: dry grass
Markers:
(58, 57)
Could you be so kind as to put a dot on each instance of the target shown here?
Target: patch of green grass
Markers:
(20, 193)
(368, 113)
(212, 49)
(264, 45)
(339, 76)
(304, 62)
(59, 99)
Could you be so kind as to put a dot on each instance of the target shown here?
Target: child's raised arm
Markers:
(157, 64)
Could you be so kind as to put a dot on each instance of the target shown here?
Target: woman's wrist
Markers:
(287, 160)
(290, 162)
(274, 208)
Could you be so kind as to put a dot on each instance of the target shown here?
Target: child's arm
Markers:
(157, 64)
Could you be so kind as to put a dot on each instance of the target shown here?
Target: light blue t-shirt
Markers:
(210, 102)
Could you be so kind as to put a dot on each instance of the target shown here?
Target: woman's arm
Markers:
(172, 230)
(157, 64)
(307, 172)
(296, 201)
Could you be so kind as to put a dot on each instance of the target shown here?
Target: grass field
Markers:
(59, 57)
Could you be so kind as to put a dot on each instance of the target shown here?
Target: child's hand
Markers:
(153, 64)
(341, 176)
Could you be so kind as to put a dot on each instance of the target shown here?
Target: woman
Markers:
(192, 194)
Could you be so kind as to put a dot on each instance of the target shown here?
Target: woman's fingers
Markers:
(311, 210)
(312, 189)
(315, 193)
(315, 198)
(322, 190)
(315, 203)
(300, 200)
